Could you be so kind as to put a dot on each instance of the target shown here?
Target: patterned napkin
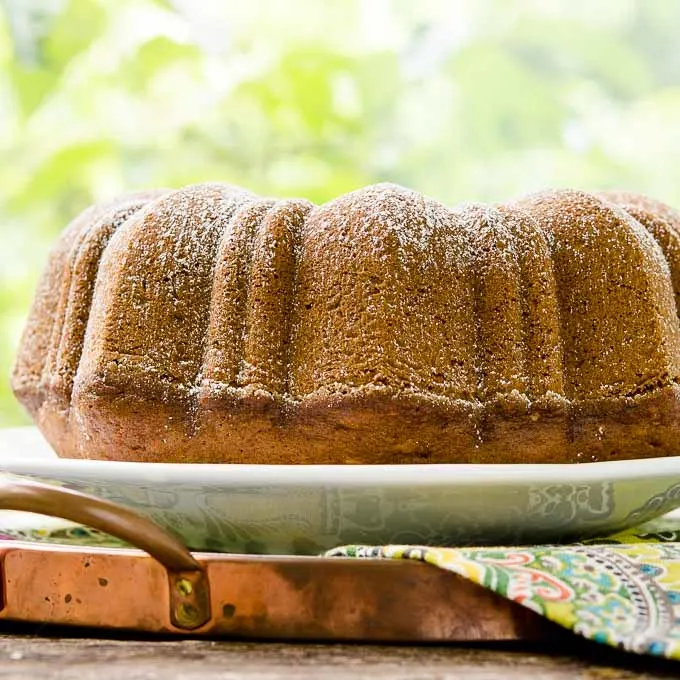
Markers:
(21, 526)
(622, 591)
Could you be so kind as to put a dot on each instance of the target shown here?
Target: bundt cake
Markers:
(208, 324)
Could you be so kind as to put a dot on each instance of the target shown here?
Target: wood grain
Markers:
(56, 654)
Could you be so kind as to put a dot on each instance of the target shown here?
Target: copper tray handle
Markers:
(30, 496)
(187, 581)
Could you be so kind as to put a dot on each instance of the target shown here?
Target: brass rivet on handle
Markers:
(185, 587)
(189, 599)
(186, 614)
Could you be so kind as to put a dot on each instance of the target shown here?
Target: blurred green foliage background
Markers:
(463, 100)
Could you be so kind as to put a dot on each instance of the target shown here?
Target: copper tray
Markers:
(161, 587)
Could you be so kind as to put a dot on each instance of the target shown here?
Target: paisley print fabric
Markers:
(622, 590)
(61, 533)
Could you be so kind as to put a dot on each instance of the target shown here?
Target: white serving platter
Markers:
(308, 509)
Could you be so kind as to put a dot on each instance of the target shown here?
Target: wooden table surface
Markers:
(27, 652)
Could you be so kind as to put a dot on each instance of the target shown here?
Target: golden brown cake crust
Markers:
(211, 325)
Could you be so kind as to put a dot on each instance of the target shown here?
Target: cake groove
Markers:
(225, 333)
(270, 288)
(542, 338)
(497, 274)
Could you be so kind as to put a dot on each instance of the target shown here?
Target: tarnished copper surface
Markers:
(260, 597)
(84, 587)
(317, 598)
